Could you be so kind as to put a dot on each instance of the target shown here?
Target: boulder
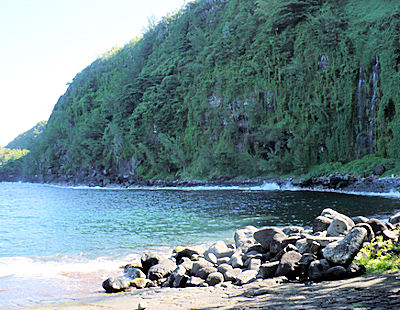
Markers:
(390, 235)
(338, 227)
(270, 237)
(119, 284)
(205, 271)
(236, 260)
(256, 248)
(302, 246)
(134, 272)
(220, 249)
(360, 219)
(317, 269)
(322, 241)
(342, 252)
(232, 275)
(278, 256)
(293, 230)
(189, 253)
(214, 278)
(148, 260)
(246, 276)
(244, 237)
(370, 232)
(223, 260)
(186, 263)
(395, 219)
(162, 270)
(141, 283)
(251, 254)
(223, 268)
(336, 273)
(194, 281)
(321, 223)
(211, 258)
(355, 270)
(268, 270)
(201, 263)
(254, 264)
(332, 214)
(377, 226)
(178, 277)
(379, 170)
(288, 264)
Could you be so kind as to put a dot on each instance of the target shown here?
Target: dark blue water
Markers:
(60, 235)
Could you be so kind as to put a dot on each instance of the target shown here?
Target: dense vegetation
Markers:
(10, 155)
(28, 139)
(236, 88)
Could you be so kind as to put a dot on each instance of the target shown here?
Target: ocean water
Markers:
(60, 243)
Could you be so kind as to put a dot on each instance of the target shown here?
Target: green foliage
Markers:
(28, 139)
(237, 88)
(10, 155)
(380, 256)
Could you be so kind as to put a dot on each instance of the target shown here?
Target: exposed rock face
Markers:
(342, 252)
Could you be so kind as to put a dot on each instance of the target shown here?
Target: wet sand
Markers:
(379, 291)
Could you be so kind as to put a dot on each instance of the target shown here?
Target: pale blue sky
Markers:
(45, 43)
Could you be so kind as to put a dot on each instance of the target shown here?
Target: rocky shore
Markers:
(265, 257)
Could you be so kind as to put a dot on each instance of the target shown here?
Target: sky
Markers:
(45, 43)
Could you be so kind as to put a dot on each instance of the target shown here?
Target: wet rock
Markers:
(134, 273)
(338, 227)
(370, 232)
(321, 223)
(205, 271)
(317, 269)
(342, 252)
(360, 219)
(194, 281)
(288, 264)
(244, 237)
(395, 219)
(270, 237)
(162, 270)
(377, 226)
(268, 270)
(220, 249)
(201, 263)
(246, 276)
(336, 273)
(118, 284)
(148, 260)
(214, 278)
(232, 275)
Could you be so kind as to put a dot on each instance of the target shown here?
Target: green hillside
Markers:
(235, 88)
(27, 139)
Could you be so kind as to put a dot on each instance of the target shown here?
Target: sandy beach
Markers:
(378, 291)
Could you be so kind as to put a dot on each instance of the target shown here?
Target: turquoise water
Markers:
(69, 239)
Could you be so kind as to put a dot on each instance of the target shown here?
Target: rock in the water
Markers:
(114, 285)
(377, 226)
(162, 270)
(395, 219)
(220, 249)
(338, 227)
(141, 283)
(205, 271)
(317, 269)
(342, 252)
(360, 219)
(194, 281)
(246, 276)
(268, 270)
(288, 264)
(244, 237)
(148, 260)
(270, 237)
(214, 278)
(232, 275)
(201, 263)
(336, 273)
(134, 273)
(321, 223)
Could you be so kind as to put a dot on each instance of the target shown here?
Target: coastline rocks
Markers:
(318, 269)
(338, 227)
(270, 237)
(194, 281)
(201, 263)
(288, 264)
(395, 219)
(214, 278)
(119, 284)
(161, 270)
(205, 271)
(232, 274)
(332, 214)
(244, 237)
(148, 260)
(246, 276)
(220, 249)
(134, 273)
(267, 270)
(321, 223)
(140, 283)
(360, 219)
(342, 252)
(377, 226)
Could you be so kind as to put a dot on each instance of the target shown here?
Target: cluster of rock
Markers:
(324, 253)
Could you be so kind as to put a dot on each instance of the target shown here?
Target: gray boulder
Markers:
(370, 232)
(148, 260)
(395, 219)
(223, 268)
(377, 226)
(336, 273)
(390, 235)
(288, 264)
(223, 260)
(268, 270)
(254, 264)
(205, 271)
(360, 219)
(134, 273)
(178, 277)
(214, 278)
(211, 258)
(162, 270)
(338, 227)
(342, 252)
(236, 260)
(246, 276)
(220, 249)
(194, 281)
(201, 263)
(321, 223)
(244, 237)
(270, 238)
(293, 230)
(189, 253)
(186, 263)
(318, 269)
(119, 284)
(332, 214)
(355, 270)
(232, 275)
